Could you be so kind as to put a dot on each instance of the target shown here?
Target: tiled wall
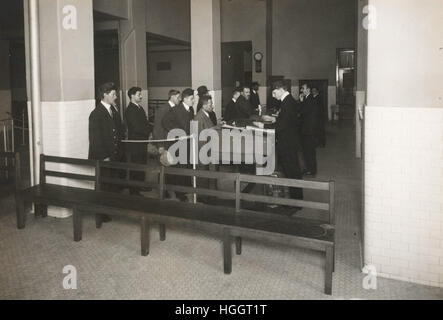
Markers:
(65, 134)
(404, 193)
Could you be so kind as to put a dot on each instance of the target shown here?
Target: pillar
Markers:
(133, 60)
(403, 141)
(362, 72)
(66, 86)
(206, 48)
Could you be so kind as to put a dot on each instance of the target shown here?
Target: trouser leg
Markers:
(310, 153)
(137, 158)
(291, 168)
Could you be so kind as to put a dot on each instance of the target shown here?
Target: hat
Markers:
(202, 91)
(166, 159)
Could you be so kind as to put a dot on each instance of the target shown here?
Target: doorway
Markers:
(346, 83)
(236, 67)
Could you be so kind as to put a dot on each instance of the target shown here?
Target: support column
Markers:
(362, 72)
(206, 48)
(133, 64)
(66, 67)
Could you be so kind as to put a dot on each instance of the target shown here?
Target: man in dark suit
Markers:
(287, 136)
(231, 108)
(310, 130)
(321, 117)
(180, 117)
(160, 132)
(105, 127)
(244, 107)
(138, 129)
(105, 133)
(255, 98)
(203, 91)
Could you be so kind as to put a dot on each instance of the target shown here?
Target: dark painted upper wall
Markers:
(116, 8)
(171, 18)
(306, 35)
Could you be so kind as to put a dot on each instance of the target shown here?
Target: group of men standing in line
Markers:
(308, 121)
(297, 126)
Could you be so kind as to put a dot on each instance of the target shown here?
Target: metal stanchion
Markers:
(12, 136)
(23, 128)
(194, 167)
(5, 141)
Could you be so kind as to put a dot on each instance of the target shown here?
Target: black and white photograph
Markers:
(242, 152)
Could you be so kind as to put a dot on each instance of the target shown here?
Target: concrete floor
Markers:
(189, 264)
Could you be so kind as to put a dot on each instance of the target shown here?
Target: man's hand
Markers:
(269, 119)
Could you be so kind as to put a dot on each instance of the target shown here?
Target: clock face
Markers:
(258, 56)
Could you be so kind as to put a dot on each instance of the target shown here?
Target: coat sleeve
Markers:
(159, 132)
(168, 121)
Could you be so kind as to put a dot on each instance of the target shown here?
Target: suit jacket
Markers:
(310, 116)
(231, 111)
(160, 132)
(255, 100)
(204, 122)
(244, 108)
(212, 114)
(288, 126)
(178, 118)
(138, 128)
(105, 134)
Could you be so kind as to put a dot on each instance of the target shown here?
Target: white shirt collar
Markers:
(235, 101)
(171, 104)
(186, 106)
(307, 96)
(283, 97)
(207, 114)
(107, 106)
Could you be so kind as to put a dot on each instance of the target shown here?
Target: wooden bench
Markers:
(230, 223)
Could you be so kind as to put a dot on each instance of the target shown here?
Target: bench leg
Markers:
(238, 245)
(41, 210)
(329, 269)
(78, 225)
(98, 221)
(20, 212)
(333, 259)
(144, 234)
(227, 252)
(162, 232)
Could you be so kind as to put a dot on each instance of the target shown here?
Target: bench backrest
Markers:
(123, 180)
(211, 175)
(328, 187)
(240, 179)
(60, 173)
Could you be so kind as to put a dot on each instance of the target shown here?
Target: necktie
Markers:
(191, 111)
(113, 112)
